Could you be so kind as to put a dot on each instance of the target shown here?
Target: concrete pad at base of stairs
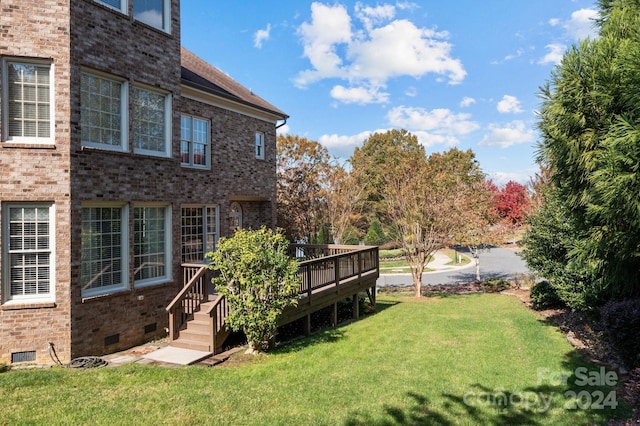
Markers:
(178, 356)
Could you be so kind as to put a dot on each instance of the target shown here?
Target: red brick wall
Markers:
(68, 175)
(39, 30)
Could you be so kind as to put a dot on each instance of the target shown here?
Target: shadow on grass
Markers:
(327, 334)
(558, 397)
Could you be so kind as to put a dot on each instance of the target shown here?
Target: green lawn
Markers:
(441, 361)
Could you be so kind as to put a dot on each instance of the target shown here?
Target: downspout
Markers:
(283, 123)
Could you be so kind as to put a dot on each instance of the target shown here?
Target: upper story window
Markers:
(260, 146)
(153, 12)
(27, 98)
(151, 122)
(28, 252)
(120, 5)
(103, 117)
(194, 142)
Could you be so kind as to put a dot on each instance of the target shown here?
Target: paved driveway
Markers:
(497, 262)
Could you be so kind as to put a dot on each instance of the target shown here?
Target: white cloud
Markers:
(467, 101)
(581, 24)
(283, 130)
(359, 95)
(432, 127)
(509, 104)
(513, 133)
(341, 146)
(261, 35)
(554, 22)
(555, 54)
(329, 27)
(368, 57)
(371, 16)
(502, 178)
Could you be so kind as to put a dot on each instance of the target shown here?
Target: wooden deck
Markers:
(329, 274)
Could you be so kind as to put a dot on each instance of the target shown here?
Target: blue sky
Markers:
(463, 73)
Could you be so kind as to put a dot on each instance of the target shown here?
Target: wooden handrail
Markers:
(188, 300)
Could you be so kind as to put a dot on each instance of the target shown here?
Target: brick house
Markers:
(122, 157)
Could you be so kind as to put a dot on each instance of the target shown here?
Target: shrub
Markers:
(258, 279)
(544, 296)
(621, 322)
(495, 285)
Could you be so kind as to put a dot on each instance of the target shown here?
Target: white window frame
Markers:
(124, 253)
(168, 244)
(167, 123)
(48, 297)
(5, 102)
(124, 114)
(259, 145)
(166, 10)
(206, 245)
(191, 143)
(123, 8)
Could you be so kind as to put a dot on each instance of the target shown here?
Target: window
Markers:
(194, 142)
(199, 232)
(260, 146)
(151, 122)
(103, 117)
(153, 12)
(28, 101)
(151, 245)
(104, 250)
(120, 5)
(235, 215)
(28, 252)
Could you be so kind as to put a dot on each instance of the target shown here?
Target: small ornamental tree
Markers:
(259, 280)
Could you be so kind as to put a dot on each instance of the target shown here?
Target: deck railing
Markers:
(339, 265)
(195, 292)
(320, 267)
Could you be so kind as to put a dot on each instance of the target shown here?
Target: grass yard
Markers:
(444, 361)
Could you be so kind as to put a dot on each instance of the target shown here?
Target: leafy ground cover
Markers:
(473, 359)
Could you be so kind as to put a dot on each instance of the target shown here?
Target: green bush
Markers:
(495, 285)
(621, 322)
(544, 296)
(258, 279)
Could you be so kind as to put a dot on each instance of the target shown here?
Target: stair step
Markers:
(196, 335)
(191, 344)
(198, 325)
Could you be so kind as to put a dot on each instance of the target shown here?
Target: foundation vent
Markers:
(150, 328)
(111, 340)
(26, 356)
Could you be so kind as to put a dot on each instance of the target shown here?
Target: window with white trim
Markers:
(27, 101)
(120, 5)
(194, 142)
(104, 259)
(151, 245)
(200, 226)
(260, 146)
(151, 122)
(156, 13)
(28, 252)
(103, 112)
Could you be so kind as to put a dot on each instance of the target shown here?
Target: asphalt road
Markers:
(494, 263)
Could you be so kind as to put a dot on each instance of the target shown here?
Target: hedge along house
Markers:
(122, 157)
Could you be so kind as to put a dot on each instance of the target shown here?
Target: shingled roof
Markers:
(197, 73)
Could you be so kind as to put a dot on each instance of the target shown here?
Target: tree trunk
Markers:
(478, 268)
